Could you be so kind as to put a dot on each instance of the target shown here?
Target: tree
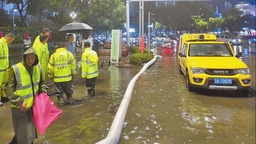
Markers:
(4, 19)
(178, 16)
(61, 19)
(200, 24)
(248, 20)
(102, 15)
(215, 23)
(232, 19)
(38, 8)
(22, 6)
(105, 15)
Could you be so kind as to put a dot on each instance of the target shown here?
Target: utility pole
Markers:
(149, 25)
(128, 22)
(141, 13)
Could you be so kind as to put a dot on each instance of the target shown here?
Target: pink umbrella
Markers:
(45, 112)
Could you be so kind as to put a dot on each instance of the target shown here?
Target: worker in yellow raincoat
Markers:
(89, 63)
(4, 61)
(42, 53)
(62, 67)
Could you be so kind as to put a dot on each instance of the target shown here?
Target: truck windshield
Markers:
(218, 50)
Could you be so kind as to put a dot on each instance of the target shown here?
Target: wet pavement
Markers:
(161, 110)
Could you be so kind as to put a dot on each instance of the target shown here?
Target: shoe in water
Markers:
(70, 101)
(61, 102)
(72, 87)
(91, 92)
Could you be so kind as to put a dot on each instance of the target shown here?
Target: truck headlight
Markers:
(197, 70)
(243, 71)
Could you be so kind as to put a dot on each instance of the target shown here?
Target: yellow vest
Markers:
(62, 65)
(25, 86)
(89, 63)
(4, 58)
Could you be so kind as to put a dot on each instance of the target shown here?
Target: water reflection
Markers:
(114, 79)
(167, 113)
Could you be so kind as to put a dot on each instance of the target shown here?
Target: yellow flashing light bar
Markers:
(193, 37)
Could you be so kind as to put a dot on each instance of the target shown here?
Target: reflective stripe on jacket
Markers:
(4, 58)
(25, 82)
(89, 63)
(62, 65)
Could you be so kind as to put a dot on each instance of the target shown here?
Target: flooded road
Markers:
(161, 110)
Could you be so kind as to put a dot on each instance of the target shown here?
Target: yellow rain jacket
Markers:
(4, 64)
(37, 40)
(43, 56)
(62, 65)
(89, 63)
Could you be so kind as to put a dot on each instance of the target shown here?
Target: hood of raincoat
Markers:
(30, 51)
(91, 54)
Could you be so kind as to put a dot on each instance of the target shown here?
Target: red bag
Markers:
(44, 112)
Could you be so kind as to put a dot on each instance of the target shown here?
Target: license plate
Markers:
(222, 81)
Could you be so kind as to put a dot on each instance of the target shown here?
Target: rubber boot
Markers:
(70, 101)
(91, 92)
(61, 101)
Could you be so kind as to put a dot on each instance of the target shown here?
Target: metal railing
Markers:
(117, 124)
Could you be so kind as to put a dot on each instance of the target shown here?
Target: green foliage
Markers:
(139, 59)
(232, 19)
(61, 19)
(106, 14)
(22, 7)
(136, 49)
(5, 20)
(102, 15)
(215, 23)
(19, 32)
(178, 16)
(200, 24)
(33, 33)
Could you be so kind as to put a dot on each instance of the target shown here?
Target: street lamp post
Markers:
(73, 15)
(13, 20)
(149, 30)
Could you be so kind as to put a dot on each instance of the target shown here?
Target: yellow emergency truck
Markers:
(210, 64)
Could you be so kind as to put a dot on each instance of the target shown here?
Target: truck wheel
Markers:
(243, 93)
(188, 84)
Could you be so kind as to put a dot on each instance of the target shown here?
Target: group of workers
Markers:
(23, 81)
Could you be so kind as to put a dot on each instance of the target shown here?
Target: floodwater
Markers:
(161, 110)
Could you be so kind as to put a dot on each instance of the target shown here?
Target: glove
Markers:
(42, 89)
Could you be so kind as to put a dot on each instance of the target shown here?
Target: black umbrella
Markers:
(75, 27)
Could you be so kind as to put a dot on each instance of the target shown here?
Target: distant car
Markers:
(252, 41)
(232, 40)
